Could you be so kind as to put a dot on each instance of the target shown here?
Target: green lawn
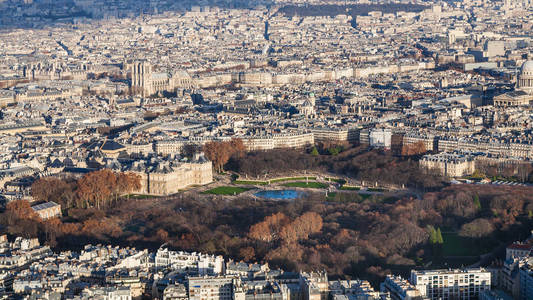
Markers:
(331, 197)
(365, 196)
(455, 245)
(250, 182)
(301, 184)
(337, 180)
(453, 261)
(344, 197)
(226, 190)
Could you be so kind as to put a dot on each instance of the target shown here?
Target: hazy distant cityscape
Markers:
(266, 150)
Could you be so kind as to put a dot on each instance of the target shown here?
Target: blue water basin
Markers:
(280, 194)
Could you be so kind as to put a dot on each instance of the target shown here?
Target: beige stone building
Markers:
(47, 210)
(277, 141)
(168, 179)
(314, 286)
(13, 129)
(169, 146)
(145, 81)
(449, 164)
(211, 288)
(523, 94)
(7, 98)
(413, 138)
(334, 135)
(48, 94)
(515, 148)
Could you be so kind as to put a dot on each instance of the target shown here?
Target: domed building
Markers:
(523, 94)
(525, 81)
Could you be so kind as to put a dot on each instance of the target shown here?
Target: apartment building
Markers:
(413, 138)
(526, 282)
(201, 264)
(451, 284)
(211, 288)
(379, 138)
(400, 289)
(260, 290)
(169, 146)
(350, 135)
(515, 148)
(277, 141)
(314, 286)
(449, 164)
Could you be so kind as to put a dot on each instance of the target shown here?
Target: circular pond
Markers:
(280, 194)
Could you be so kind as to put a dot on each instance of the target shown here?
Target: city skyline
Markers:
(266, 150)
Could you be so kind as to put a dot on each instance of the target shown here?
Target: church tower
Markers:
(141, 74)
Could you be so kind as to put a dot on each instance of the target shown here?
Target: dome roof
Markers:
(527, 67)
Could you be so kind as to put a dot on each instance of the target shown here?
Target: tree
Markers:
(261, 232)
(277, 226)
(21, 209)
(43, 188)
(524, 169)
(238, 148)
(247, 253)
(301, 227)
(269, 229)
(476, 202)
(217, 152)
(414, 149)
(127, 183)
(288, 234)
(306, 224)
(477, 228)
(433, 238)
(220, 152)
(54, 189)
(96, 188)
(162, 235)
(334, 151)
(314, 151)
(440, 240)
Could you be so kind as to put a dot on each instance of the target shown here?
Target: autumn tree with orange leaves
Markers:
(279, 227)
(127, 183)
(54, 189)
(99, 188)
(301, 227)
(21, 209)
(21, 219)
(414, 149)
(95, 188)
(247, 253)
(220, 152)
(269, 229)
